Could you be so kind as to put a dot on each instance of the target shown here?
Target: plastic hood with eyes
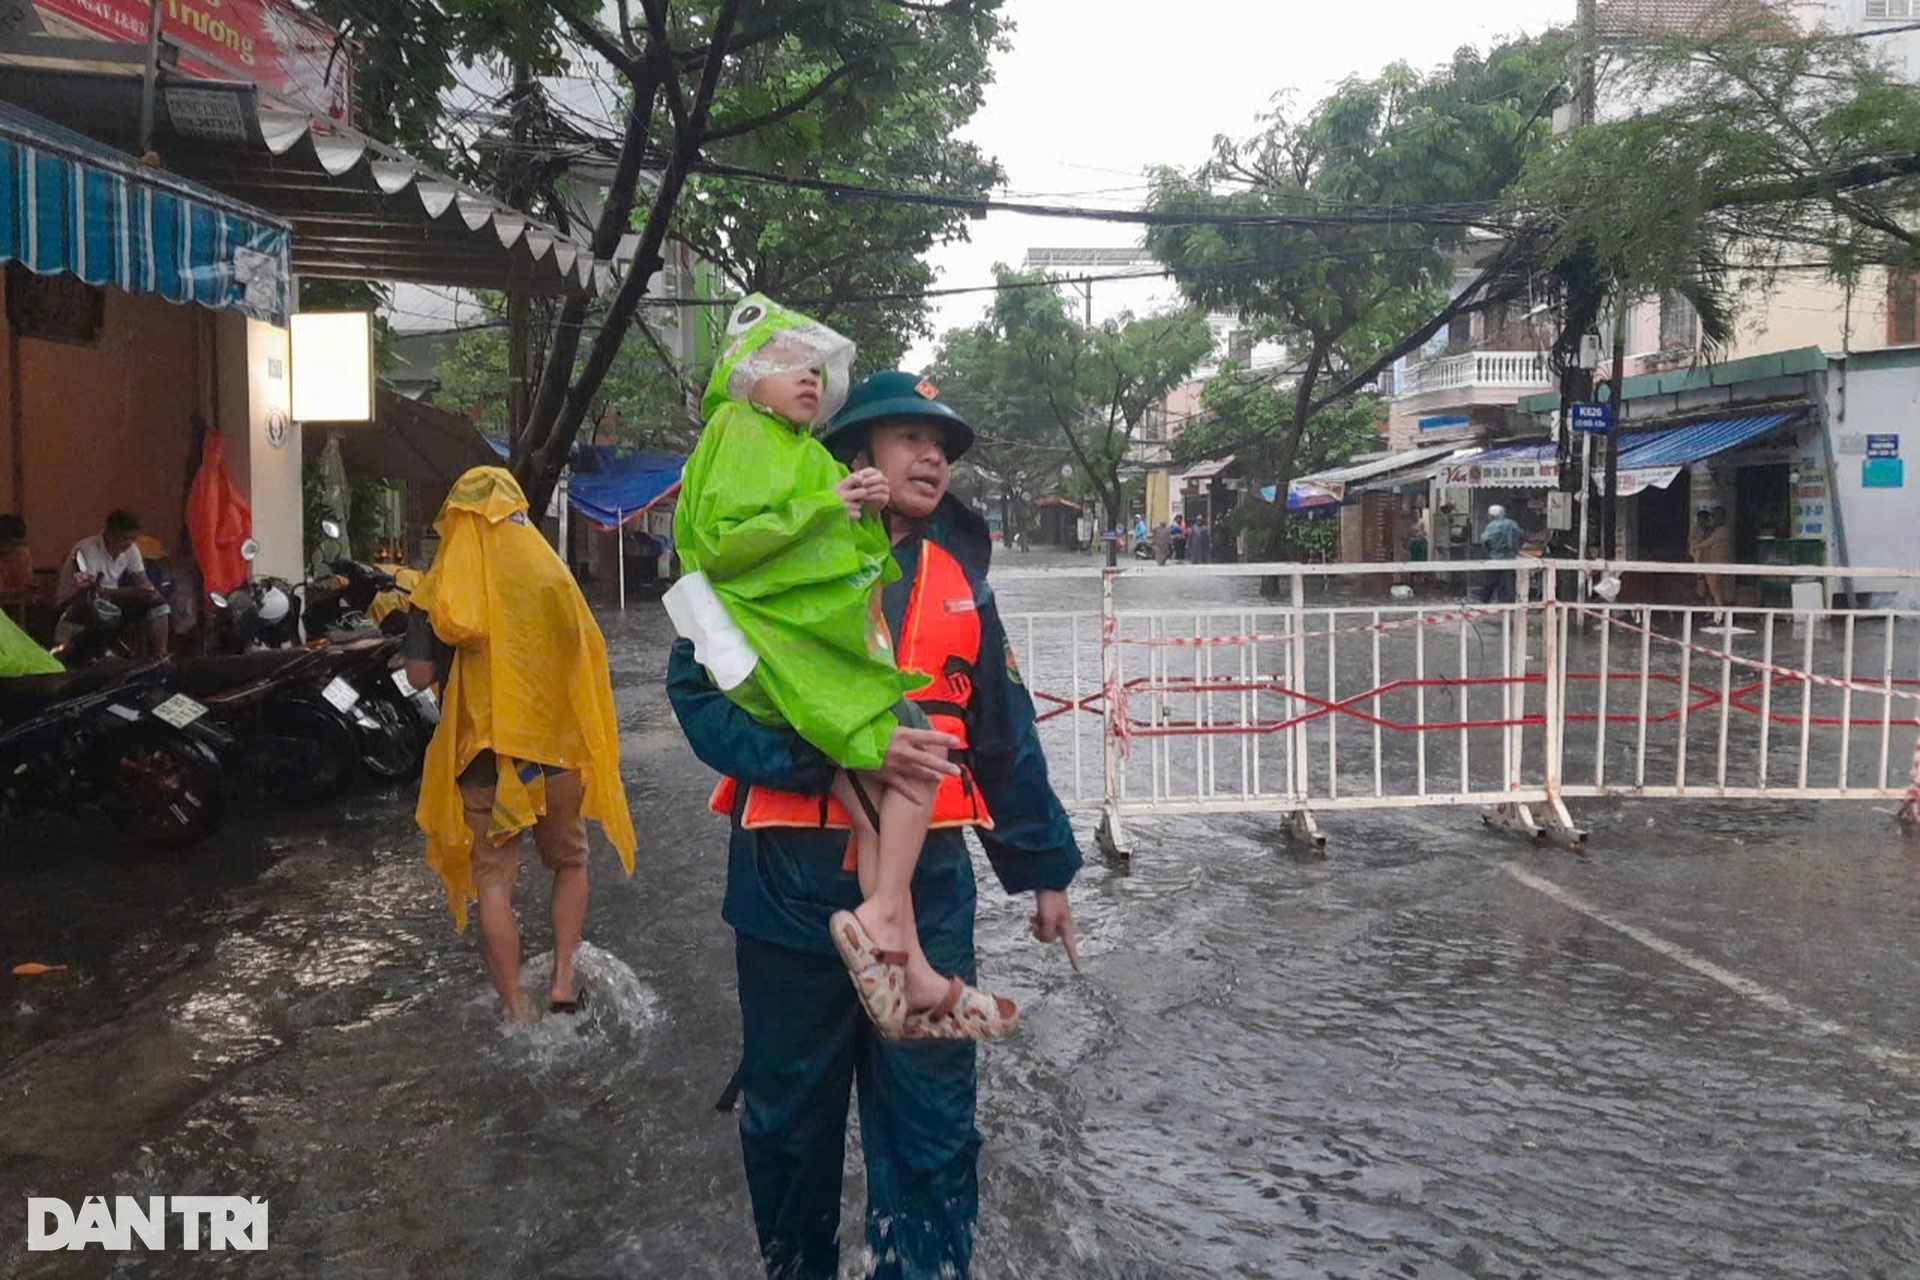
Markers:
(765, 339)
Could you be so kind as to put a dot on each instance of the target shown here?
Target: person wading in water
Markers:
(806, 1039)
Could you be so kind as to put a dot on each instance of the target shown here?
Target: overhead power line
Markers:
(1465, 215)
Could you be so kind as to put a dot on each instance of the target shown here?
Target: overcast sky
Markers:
(1090, 95)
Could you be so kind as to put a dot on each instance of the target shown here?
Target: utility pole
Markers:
(1610, 513)
(517, 186)
(1578, 382)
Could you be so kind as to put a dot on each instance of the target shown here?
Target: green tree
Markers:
(822, 251)
(1018, 456)
(1378, 182)
(1030, 367)
(1250, 417)
(645, 404)
(1758, 151)
(696, 74)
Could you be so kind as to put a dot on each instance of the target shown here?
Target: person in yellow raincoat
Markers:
(527, 737)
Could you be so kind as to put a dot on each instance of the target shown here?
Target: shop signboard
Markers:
(1516, 473)
(295, 60)
(1883, 468)
(1810, 503)
(1634, 480)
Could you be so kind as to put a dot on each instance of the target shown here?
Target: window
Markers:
(1678, 323)
(1903, 308)
(1893, 8)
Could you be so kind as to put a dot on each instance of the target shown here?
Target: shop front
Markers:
(140, 311)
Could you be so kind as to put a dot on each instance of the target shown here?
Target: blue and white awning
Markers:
(71, 205)
(1655, 460)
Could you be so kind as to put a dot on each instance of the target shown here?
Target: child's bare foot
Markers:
(518, 1011)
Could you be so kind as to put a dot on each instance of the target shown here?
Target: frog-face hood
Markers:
(765, 339)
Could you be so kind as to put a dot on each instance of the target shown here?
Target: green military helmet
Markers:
(889, 396)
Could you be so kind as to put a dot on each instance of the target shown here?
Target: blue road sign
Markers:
(1596, 419)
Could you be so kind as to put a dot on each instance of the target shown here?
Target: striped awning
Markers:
(70, 205)
(1655, 460)
(1681, 445)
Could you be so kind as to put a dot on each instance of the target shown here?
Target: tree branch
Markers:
(1472, 298)
(599, 41)
(660, 52)
(545, 462)
(793, 108)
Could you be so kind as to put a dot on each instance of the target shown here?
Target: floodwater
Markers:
(1433, 1053)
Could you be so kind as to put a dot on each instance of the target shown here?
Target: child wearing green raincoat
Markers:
(785, 552)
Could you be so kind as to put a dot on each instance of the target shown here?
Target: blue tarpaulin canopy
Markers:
(70, 205)
(1304, 495)
(624, 486)
(1678, 447)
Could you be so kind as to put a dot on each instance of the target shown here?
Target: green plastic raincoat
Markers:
(20, 656)
(758, 516)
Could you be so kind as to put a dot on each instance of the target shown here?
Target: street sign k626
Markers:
(1594, 418)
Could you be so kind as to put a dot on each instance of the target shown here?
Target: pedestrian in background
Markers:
(1199, 542)
(1162, 543)
(1711, 543)
(1502, 538)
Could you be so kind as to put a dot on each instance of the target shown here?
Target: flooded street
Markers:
(1435, 1053)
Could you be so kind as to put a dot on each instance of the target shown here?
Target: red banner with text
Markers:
(292, 58)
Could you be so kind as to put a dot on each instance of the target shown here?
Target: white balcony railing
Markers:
(1507, 370)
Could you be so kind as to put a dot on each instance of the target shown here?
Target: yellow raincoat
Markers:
(529, 680)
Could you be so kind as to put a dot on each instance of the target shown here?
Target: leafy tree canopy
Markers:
(1031, 370)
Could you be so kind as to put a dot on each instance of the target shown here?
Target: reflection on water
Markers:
(1394, 1061)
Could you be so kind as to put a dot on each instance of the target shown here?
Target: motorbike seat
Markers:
(22, 697)
(206, 677)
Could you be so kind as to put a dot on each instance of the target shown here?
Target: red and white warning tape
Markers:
(1401, 624)
(1754, 664)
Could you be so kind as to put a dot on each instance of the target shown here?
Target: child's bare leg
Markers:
(886, 881)
(866, 840)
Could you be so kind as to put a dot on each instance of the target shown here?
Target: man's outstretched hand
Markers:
(1053, 921)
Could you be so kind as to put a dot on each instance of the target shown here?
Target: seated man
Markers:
(110, 562)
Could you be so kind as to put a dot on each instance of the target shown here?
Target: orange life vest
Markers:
(940, 639)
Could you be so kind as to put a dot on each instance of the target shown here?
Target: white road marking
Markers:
(1899, 1061)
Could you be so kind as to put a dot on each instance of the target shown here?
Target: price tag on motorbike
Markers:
(404, 685)
(342, 695)
(179, 711)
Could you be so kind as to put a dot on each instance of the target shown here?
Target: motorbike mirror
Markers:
(250, 550)
(330, 528)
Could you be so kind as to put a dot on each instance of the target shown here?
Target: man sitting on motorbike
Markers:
(109, 566)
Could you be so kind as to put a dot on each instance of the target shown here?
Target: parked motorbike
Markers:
(115, 737)
(282, 709)
(393, 721)
(342, 602)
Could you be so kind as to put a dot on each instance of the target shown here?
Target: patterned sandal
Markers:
(967, 1013)
(879, 976)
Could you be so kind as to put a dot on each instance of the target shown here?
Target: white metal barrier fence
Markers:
(1356, 691)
